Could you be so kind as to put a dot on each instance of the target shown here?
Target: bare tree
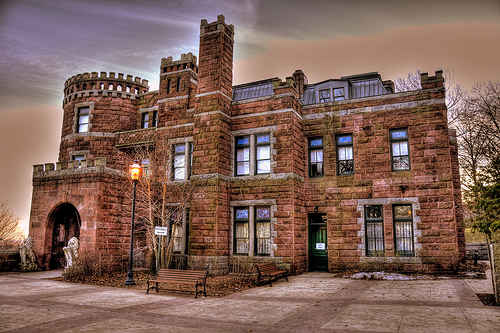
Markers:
(408, 83)
(455, 94)
(163, 199)
(10, 235)
(478, 130)
(484, 102)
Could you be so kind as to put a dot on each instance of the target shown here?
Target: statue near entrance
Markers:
(71, 252)
(28, 259)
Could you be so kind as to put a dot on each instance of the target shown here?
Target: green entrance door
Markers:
(318, 244)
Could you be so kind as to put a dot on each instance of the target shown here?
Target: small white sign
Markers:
(320, 246)
(161, 231)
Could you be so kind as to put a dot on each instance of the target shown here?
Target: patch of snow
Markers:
(391, 276)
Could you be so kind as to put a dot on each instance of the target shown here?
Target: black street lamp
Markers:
(135, 171)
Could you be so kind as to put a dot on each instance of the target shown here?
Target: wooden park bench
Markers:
(269, 271)
(179, 276)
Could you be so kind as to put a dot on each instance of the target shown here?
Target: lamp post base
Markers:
(130, 279)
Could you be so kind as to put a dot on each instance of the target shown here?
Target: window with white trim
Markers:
(262, 231)
(345, 155)
(145, 120)
(400, 152)
(182, 160)
(374, 231)
(403, 231)
(252, 225)
(246, 146)
(83, 118)
(243, 155)
(315, 146)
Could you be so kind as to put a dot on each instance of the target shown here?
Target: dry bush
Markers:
(94, 264)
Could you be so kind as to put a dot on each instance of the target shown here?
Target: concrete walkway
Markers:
(311, 302)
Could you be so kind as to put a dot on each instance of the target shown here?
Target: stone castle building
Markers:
(314, 176)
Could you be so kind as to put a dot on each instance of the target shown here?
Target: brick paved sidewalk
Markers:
(312, 302)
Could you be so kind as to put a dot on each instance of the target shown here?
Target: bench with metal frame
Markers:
(179, 276)
(269, 271)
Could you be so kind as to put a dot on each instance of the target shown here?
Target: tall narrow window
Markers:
(179, 162)
(242, 155)
(83, 120)
(190, 160)
(154, 121)
(403, 231)
(262, 231)
(324, 96)
(316, 157)
(145, 167)
(400, 152)
(374, 231)
(241, 230)
(175, 224)
(182, 161)
(180, 231)
(345, 156)
(169, 84)
(263, 153)
(178, 84)
(145, 120)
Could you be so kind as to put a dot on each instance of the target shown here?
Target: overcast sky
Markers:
(44, 42)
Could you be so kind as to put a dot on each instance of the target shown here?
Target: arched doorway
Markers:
(66, 224)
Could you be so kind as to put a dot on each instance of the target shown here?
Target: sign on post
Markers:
(161, 231)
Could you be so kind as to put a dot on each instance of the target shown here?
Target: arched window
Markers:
(127, 89)
(110, 87)
(136, 91)
(119, 88)
(101, 86)
(84, 86)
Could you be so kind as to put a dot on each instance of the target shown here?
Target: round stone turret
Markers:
(96, 106)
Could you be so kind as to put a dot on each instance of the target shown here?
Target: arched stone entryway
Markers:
(65, 222)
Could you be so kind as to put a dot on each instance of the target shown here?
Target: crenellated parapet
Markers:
(187, 61)
(87, 166)
(287, 86)
(58, 166)
(217, 26)
(104, 84)
(435, 81)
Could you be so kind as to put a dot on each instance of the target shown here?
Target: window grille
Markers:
(403, 230)
(374, 231)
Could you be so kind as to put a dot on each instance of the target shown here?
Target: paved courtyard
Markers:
(311, 302)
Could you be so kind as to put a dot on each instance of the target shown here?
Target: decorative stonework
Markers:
(71, 252)
(28, 259)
